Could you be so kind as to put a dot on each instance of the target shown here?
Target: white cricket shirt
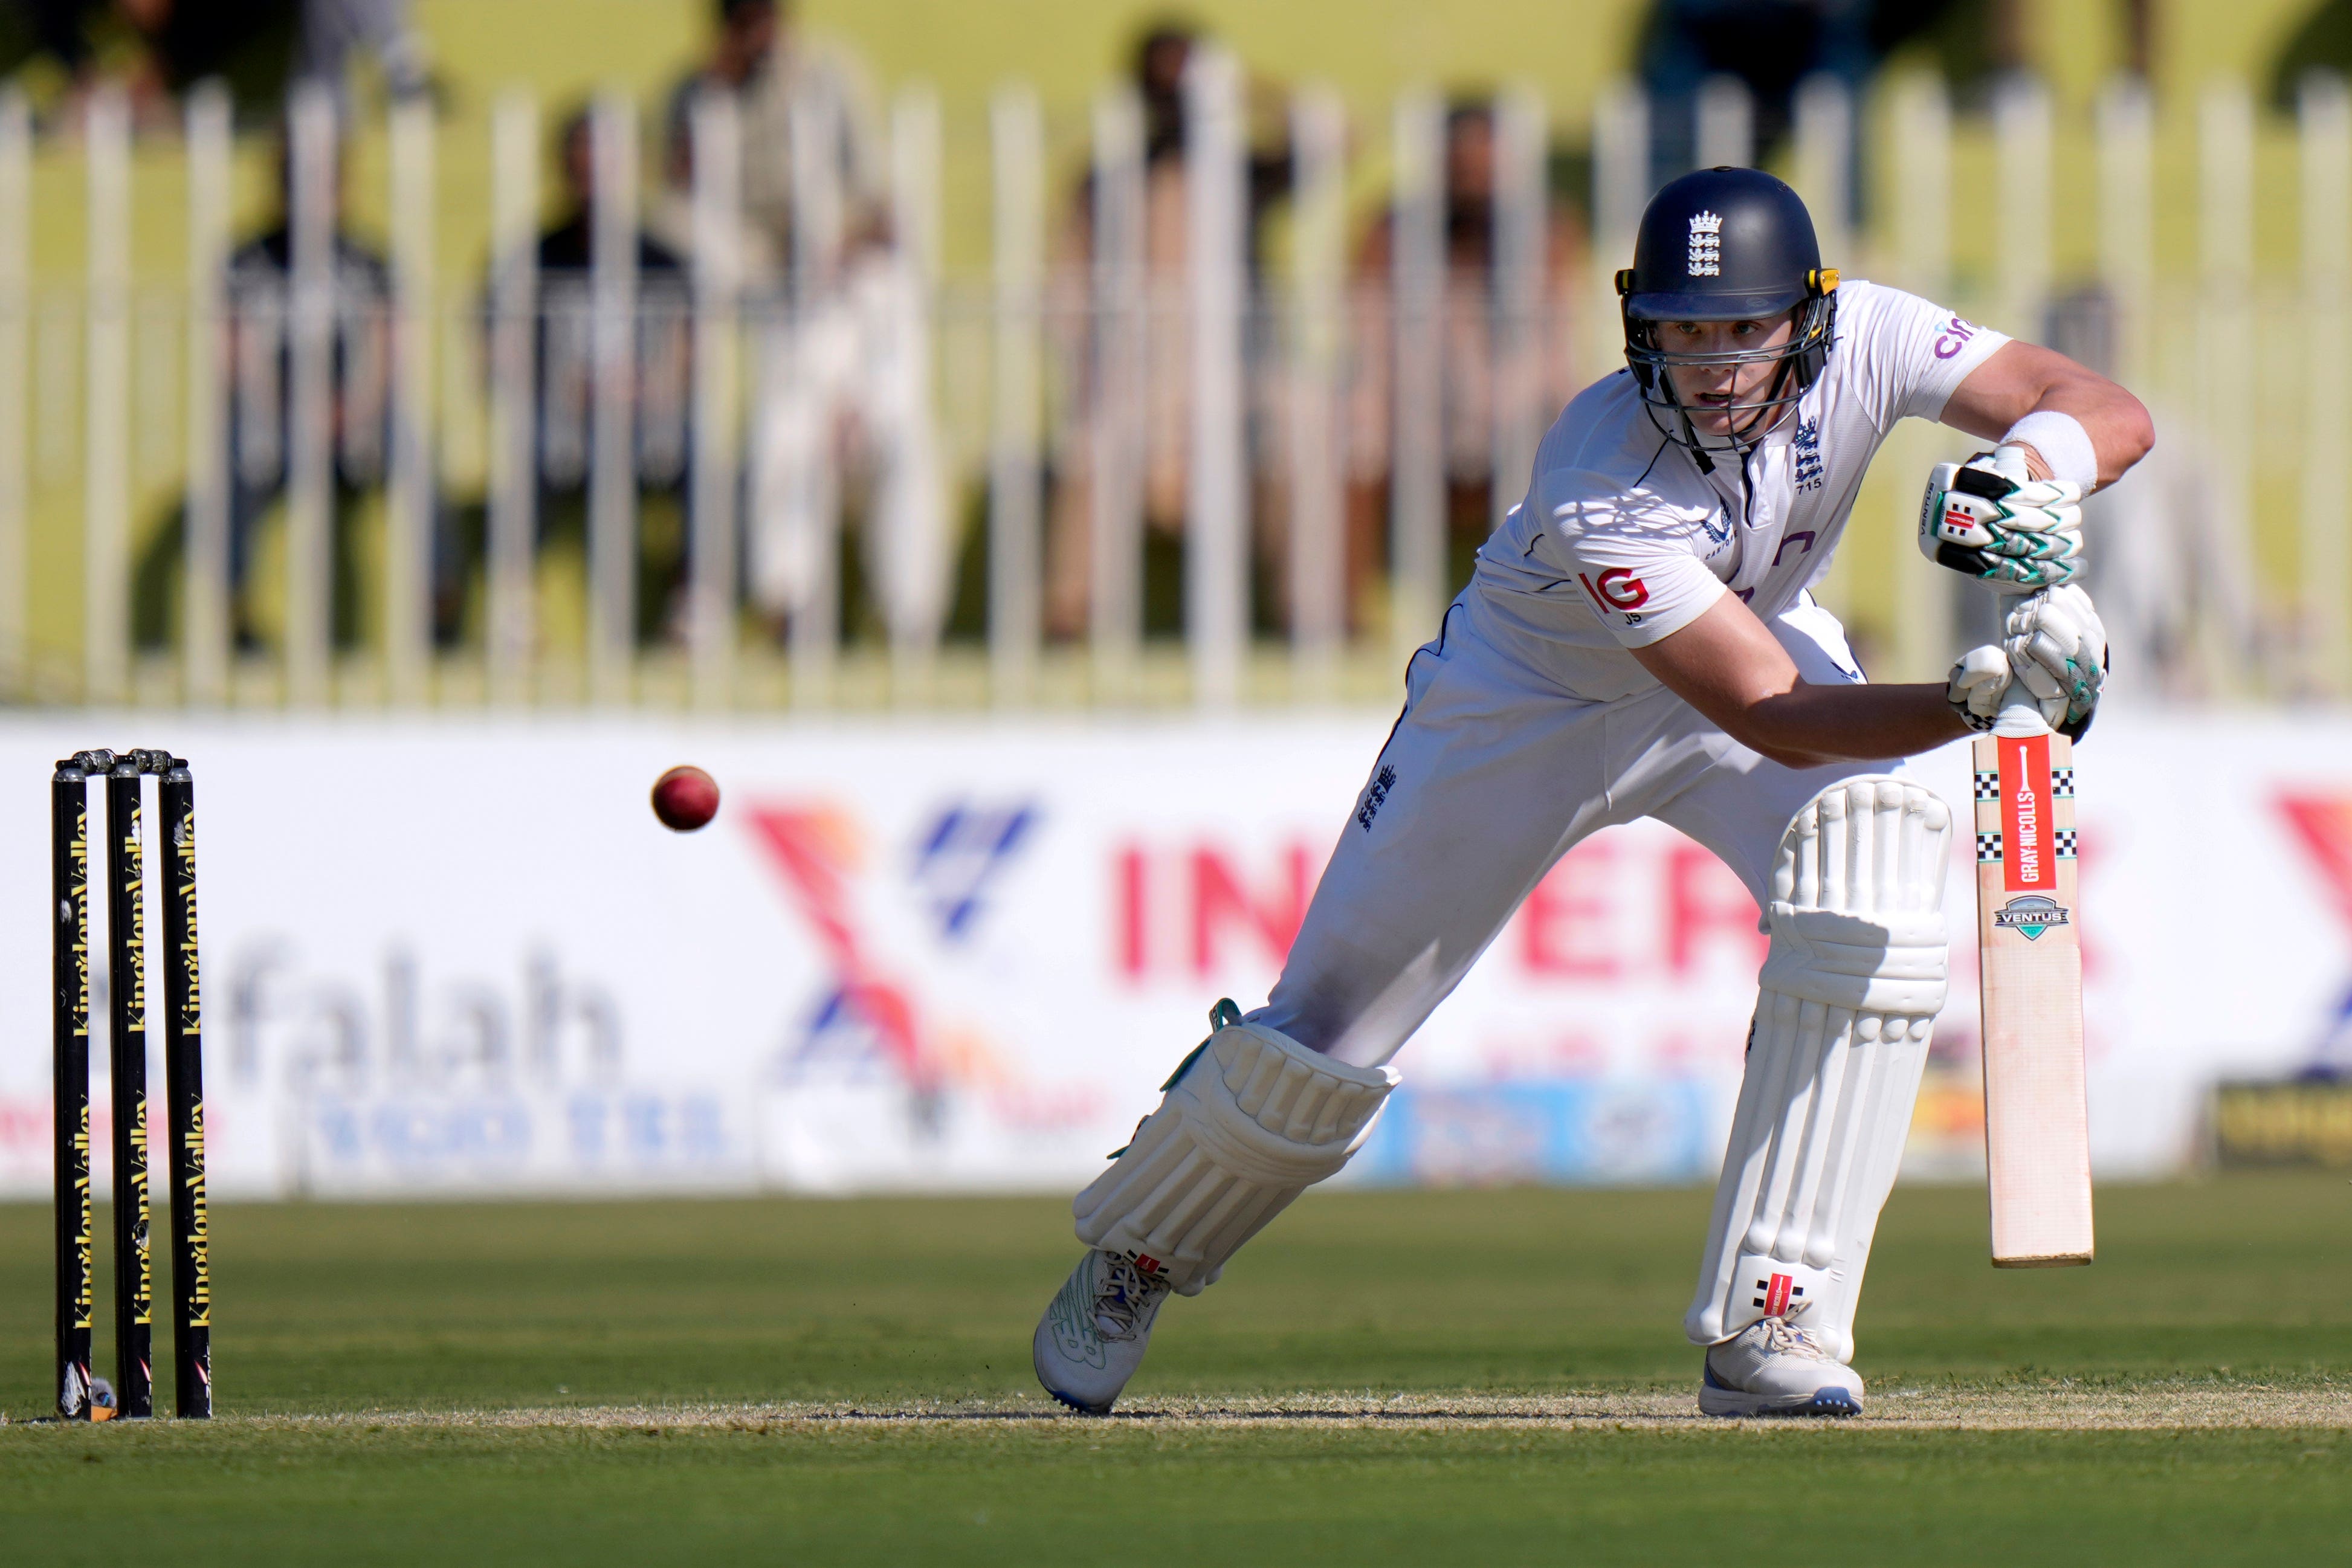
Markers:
(1621, 541)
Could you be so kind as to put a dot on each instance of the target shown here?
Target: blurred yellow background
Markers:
(564, 50)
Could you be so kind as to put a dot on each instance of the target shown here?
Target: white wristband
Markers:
(2065, 444)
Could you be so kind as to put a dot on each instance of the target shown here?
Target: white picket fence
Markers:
(2231, 577)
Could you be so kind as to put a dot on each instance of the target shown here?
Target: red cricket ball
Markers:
(685, 799)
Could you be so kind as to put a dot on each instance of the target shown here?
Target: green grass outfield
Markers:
(1469, 1376)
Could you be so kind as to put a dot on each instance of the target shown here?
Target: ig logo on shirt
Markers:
(1618, 590)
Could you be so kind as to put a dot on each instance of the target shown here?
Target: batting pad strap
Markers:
(1891, 963)
(1254, 1120)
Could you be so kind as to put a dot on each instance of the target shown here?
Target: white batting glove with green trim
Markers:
(2059, 649)
(1984, 518)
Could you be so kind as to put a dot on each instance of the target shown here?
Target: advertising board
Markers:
(456, 958)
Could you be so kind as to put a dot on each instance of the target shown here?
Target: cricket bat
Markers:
(2037, 1121)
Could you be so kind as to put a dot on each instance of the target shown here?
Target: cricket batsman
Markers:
(1639, 640)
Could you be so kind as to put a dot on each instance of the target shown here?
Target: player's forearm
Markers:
(2023, 378)
(1807, 725)
(1729, 665)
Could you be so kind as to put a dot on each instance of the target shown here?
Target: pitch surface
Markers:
(1493, 1376)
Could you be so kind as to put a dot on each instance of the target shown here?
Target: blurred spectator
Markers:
(567, 250)
(786, 84)
(1486, 366)
(130, 39)
(333, 31)
(260, 427)
(840, 428)
(1769, 45)
(248, 44)
(259, 47)
(1158, 63)
(738, 57)
(2323, 42)
(61, 31)
(1158, 72)
(566, 369)
(1161, 57)
(1158, 77)
(1772, 45)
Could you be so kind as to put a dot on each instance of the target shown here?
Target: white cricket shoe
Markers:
(1093, 1334)
(1772, 1368)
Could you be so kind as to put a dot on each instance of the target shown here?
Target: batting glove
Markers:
(2014, 534)
(2059, 649)
(1977, 683)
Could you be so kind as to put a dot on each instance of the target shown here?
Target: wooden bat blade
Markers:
(2037, 1120)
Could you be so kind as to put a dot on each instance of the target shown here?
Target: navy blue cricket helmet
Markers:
(1728, 244)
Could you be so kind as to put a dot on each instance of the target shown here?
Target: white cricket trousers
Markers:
(1494, 771)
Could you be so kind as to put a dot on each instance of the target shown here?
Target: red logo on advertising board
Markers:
(2321, 818)
(2027, 865)
(1618, 588)
(2323, 823)
(1202, 897)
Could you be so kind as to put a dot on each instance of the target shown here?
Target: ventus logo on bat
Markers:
(2031, 915)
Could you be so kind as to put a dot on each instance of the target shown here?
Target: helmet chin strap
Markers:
(1733, 441)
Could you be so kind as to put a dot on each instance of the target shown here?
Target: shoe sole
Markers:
(1830, 1403)
(1082, 1409)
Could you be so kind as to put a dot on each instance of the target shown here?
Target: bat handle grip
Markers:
(2020, 714)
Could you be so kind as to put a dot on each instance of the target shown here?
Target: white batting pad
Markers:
(1850, 991)
(1251, 1122)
